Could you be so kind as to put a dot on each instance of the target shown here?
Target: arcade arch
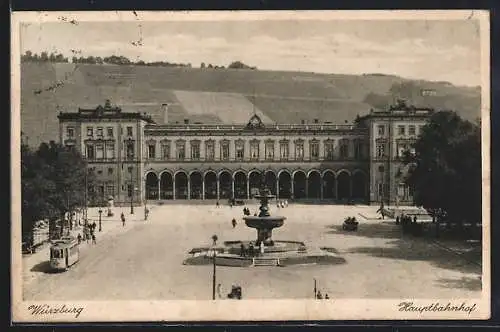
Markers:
(151, 186)
(166, 185)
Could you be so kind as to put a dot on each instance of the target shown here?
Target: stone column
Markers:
(322, 184)
(336, 189)
(218, 188)
(173, 187)
(232, 187)
(350, 187)
(307, 187)
(159, 189)
(292, 187)
(189, 187)
(277, 189)
(248, 187)
(203, 188)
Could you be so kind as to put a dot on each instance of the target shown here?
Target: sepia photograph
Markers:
(229, 166)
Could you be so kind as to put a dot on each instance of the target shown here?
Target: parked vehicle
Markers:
(350, 224)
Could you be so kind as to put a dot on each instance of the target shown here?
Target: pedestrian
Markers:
(397, 220)
(286, 203)
(242, 250)
(217, 203)
(415, 218)
(251, 250)
(93, 239)
(381, 209)
(327, 297)
(79, 238)
(219, 290)
(146, 213)
(319, 296)
(234, 222)
(123, 219)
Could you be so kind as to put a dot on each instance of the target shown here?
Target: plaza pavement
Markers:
(143, 261)
(37, 262)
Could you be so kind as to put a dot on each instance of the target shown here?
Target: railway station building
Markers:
(133, 158)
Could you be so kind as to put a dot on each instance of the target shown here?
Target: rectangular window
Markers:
(130, 132)
(329, 152)
(344, 149)
(181, 151)
(210, 150)
(195, 151)
(130, 150)
(165, 151)
(254, 150)
(381, 130)
(110, 151)
(401, 130)
(358, 150)
(151, 151)
(411, 130)
(99, 132)
(240, 150)
(110, 190)
(284, 150)
(224, 151)
(380, 150)
(110, 131)
(90, 131)
(269, 150)
(70, 132)
(314, 147)
(99, 151)
(299, 151)
(110, 171)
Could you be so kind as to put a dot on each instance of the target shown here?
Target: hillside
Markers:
(220, 95)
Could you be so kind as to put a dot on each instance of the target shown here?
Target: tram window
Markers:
(57, 253)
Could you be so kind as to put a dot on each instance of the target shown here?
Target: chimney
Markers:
(164, 107)
(316, 120)
(186, 121)
(302, 121)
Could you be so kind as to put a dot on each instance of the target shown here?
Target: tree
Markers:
(445, 171)
(240, 65)
(53, 182)
(202, 65)
(44, 57)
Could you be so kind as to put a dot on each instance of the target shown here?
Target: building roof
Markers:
(107, 111)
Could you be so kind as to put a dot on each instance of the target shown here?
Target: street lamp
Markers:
(100, 223)
(214, 279)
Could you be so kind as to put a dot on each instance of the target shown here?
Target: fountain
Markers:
(264, 223)
(272, 252)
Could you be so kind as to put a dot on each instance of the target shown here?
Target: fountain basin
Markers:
(264, 222)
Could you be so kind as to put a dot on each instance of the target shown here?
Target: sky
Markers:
(445, 50)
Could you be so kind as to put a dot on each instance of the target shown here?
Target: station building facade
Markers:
(135, 159)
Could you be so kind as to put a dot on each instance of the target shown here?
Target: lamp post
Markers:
(214, 278)
(100, 223)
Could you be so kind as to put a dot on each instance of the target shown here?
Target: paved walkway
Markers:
(110, 227)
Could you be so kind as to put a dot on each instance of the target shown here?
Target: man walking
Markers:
(381, 210)
(123, 219)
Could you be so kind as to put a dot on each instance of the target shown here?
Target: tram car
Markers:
(64, 253)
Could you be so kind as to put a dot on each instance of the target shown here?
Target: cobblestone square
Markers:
(143, 260)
